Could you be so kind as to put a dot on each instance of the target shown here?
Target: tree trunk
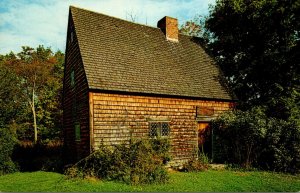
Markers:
(34, 117)
(248, 161)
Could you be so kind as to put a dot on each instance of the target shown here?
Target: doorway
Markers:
(204, 138)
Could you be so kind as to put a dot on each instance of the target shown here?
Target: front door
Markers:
(204, 137)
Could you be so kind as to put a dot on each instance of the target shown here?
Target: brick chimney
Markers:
(169, 26)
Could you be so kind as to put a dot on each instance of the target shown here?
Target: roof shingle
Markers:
(123, 56)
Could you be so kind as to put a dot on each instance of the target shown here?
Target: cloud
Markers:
(41, 22)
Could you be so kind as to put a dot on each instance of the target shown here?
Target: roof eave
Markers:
(97, 90)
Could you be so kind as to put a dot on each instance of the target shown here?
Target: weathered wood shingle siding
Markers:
(76, 105)
(117, 117)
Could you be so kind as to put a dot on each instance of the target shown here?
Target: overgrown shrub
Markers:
(140, 162)
(281, 150)
(240, 136)
(7, 143)
(44, 155)
(250, 139)
(196, 164)
(202, 157)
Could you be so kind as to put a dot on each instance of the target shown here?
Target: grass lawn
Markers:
(216, 181)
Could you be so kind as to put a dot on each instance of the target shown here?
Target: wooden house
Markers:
(123, 79)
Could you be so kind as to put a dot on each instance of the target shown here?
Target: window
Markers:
(159, 129)
(77, 131)
(74, 109)
(72, 36)
(72, 77)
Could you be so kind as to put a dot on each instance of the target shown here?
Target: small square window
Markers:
(159, 129)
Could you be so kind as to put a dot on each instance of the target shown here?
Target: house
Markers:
(123, 79)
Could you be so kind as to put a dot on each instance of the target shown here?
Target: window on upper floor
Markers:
(72, 36)
(72, 78)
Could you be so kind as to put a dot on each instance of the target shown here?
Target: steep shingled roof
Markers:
(123, 56)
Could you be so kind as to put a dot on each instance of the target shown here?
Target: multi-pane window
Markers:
(159, 129)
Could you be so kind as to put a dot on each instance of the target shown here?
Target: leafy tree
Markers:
(193, 27)
(251, 139)
(241, 135)
(39, 72)
(7, 143)
(10, 107)
(281, 147)
(256, 44)
(33, 69)
(10, 104)
(49, 108)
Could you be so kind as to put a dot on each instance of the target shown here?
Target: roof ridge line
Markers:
(72, 6)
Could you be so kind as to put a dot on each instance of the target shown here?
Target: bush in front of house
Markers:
(196, 164)
(7, 143)
(43, 155)
(251, 139)
(139, 162)
(239, 136)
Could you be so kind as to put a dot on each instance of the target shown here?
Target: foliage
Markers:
(197, 163)
(49, 110)
(33, 87)
(241, 135)
(286, 107)
(10, 106)
(250, 139)
(196, 28)
(44, 155)
(208, 181)
(140, 162)
(194, 165)
(193, 27)
(203, 158)
(281, 150)
(256, 44)
(161, 148)
(7, 143)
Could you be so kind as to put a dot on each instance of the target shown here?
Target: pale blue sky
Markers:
(44, 22)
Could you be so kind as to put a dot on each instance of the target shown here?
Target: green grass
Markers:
(216, 181)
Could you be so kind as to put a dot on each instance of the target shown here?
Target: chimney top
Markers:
(169, 26)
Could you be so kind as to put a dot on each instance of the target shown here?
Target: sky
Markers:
(44, 22)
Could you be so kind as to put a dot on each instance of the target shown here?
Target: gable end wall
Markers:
(76, 101)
